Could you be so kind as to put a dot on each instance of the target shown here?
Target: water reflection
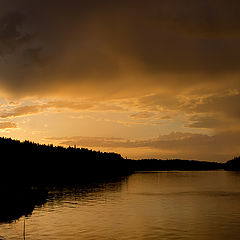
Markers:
(19, 200)
(160, 205)
(92, 192)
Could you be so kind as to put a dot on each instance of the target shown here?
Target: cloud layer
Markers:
(49, 45)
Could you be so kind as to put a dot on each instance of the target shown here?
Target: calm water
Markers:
(156, 205)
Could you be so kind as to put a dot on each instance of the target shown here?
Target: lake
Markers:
(145, 205)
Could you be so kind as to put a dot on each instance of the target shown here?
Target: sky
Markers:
(146, 79)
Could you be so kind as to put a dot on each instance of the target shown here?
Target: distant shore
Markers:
(32, 162)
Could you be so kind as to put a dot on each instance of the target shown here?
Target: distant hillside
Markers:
(175, 164)
(233, 164)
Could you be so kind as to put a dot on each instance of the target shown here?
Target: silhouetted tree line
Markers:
(233, 164)
(184, 165)
(33, 162)
(175, 164)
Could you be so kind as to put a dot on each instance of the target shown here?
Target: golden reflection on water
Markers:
(159, 205)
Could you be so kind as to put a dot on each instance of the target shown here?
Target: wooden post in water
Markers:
(24, 230)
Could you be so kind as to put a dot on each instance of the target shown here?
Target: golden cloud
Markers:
(4, 125)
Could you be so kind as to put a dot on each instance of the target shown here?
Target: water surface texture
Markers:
(152, 205)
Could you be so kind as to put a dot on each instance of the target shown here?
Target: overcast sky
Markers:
(142, 78)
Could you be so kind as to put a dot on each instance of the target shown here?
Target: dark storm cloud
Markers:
(10, 36)
(91, 42)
